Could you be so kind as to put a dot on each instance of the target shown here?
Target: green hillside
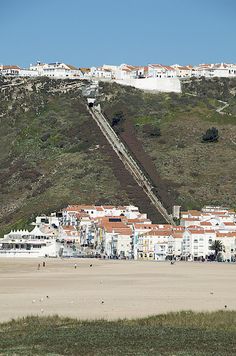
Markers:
(169, 128)
(52, 153)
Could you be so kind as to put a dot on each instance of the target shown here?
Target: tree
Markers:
(117, 118)
(211, 135)
(218, 247)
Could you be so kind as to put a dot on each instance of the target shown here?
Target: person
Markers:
(44, 264)
(38, 266)
(75, 265)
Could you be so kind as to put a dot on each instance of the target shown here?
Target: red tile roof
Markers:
(157, 233)
(11, 67)
(226, 234)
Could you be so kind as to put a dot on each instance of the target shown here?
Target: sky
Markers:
(96, 32)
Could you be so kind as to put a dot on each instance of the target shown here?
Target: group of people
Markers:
(39, 265)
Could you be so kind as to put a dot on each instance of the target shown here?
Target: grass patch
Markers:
(182, 334)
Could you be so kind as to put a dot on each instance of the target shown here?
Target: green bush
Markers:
(211, 135)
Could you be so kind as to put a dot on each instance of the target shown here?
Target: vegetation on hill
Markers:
(180, 334)
(188, 170)
(52, 153)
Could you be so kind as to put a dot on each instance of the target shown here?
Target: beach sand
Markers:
(112, 289)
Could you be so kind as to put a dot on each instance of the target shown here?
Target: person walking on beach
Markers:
(75, 265)
(38, 266)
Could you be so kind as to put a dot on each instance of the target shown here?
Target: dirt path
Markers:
(225, 105)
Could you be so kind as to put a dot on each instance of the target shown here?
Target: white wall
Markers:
(155, 84)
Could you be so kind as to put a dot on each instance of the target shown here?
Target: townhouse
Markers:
(161, 71)
(160, 242)
(154, 245)
(101, 73)
(197, 243)
(183, 71)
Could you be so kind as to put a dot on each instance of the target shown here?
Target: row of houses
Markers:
(52, 70)
(124, 232)
(120, 72)
(125, 71)
(194, 238)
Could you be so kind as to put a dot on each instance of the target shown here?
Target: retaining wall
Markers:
(165, 85)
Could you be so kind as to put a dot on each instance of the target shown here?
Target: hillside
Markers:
(164, 132)
(52, 153)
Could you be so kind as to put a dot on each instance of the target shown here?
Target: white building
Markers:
(228, 240)
(154, 245)
(183, 71)
(161, 71)
(10, 70)
(221, 70)
(118, 242)
(45, 240)
(56, 70)
(72, 212)
(197, 243)
(101, 73)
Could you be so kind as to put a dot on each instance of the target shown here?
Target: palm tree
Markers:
(217, 246)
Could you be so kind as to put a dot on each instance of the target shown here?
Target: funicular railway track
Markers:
(128, 161)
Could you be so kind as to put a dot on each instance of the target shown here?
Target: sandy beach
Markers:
(112, 289)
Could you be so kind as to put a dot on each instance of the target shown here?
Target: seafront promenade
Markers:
(112, 289)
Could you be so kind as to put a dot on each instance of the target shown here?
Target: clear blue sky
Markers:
(93, 32)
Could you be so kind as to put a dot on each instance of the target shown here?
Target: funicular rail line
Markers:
(128, 161)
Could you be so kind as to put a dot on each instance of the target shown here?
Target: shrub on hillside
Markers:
(45, 136)
(117, 119)
(211, 135)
